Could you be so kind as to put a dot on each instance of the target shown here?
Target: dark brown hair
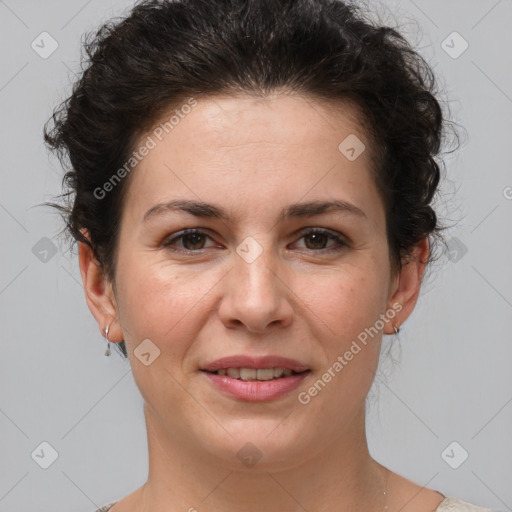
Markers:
(141, 66)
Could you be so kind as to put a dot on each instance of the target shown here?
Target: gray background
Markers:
(452, 379)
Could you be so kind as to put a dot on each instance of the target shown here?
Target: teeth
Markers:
(278, 372)
(234, 373)
(266, 374)
(248, 374)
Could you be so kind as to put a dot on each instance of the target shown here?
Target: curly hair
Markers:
(138, 67)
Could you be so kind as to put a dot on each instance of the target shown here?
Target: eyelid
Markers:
(333, 235)
(181, 234)
(341, 242)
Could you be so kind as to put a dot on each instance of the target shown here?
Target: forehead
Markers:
(252, 145)
(289, 118)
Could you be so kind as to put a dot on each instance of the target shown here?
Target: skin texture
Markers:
(253, 157)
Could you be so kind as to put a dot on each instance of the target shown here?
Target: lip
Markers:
(256, 362)
(256, 391)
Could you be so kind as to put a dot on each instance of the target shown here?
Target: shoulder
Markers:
(449, 504)
(105, 508)
(452, 504)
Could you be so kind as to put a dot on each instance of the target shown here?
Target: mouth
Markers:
(256, 374)
(255, 378)
(255, 384)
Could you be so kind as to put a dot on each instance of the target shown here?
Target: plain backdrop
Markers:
(441, 414)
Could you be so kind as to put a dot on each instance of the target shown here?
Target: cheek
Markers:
(351, 304)
(152, 300)
(347, 301)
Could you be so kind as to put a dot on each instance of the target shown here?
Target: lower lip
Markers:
(256, 391)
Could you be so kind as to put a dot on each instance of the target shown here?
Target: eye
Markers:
(318, 238)
(192, 239)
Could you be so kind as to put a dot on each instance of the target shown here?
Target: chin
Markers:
(268, 445)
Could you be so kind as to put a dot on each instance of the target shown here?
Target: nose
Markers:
(256, 295)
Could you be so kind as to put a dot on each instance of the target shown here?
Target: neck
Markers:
(341, 476)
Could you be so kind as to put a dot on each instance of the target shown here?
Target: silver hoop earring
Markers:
(107, 352)
(397, 329)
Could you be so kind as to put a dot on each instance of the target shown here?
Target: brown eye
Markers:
(191, 240)
(195, 241)
(318, 238)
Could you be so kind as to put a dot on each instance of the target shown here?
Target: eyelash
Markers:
(313, 231)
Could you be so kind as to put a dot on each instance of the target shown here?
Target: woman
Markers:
(252, 188)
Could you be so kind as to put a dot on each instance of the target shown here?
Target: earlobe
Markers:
(98, 292)
(408, 285)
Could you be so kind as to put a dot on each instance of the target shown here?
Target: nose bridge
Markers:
(256, 295)
(255, 267)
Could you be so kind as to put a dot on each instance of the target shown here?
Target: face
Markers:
(270, 276)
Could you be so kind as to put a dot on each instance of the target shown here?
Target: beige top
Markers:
(449, 504)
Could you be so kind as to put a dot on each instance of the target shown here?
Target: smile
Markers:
(255, 385)
(259, 374)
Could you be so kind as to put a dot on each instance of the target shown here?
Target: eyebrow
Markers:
(296, 210)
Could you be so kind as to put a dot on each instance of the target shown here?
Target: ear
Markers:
(407, 284)
(98, 292)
